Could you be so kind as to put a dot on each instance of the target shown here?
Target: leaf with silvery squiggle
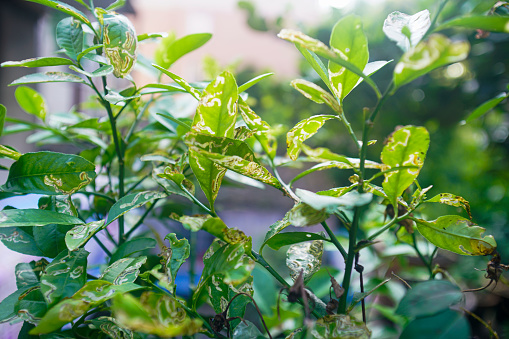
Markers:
(31, 306)
(122, 271)
(29, 274)
(302, 215)
(120, 43)
(130, 202)
(304, 130)
(80, 234)
(113, 329)
(184, 84)
(49, 173)
(306, 257)
(65, 275)
(20, 239)
(316, 94)
(132, 246)
(178, 253)
(92, 294)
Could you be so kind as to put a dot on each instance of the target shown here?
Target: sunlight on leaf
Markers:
(417, 26)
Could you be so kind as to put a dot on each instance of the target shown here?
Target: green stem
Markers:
(138, 118)
(352, 241)
(101, 245)
(423, 259)
(334, 240)
(142, 218)
(350, 130)
(390, 223)
(278, 177)
(198, 202)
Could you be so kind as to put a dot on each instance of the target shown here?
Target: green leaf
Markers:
(316, 63)
(490, 23)
(115, 5)
(332, 204)
(452, 200)
(131, 247)
(340, 326)
(254, 81)
(444, 325)
(29, 274)
(261, 128)
(91, 57)
(100, 72)
(170, 50)
(217, 110)
(406, 146)
(31, 306)
(316, 94)
(124, 270)
(37, 78)
(69, 36)
(274, 229)
(3, 113)
(38, 62)
(350, 43)
(31, 102)
(304, 130)
(63, 7)
(120, 43)
(65, 275)
(486, 107)
(130, 202)
(156, 314)
(79, 235)
(151, 36)
(426, 56)
(247, 330)
(35, 217)
(111, 327)
(20, 239)
(289, 238)
(304, 257)
(49, 173)
(302, 215)
(7, 306)
(91, 295)
(186, 86)
(180, 250)
(429, 298)
(457, 234)
(416, 25)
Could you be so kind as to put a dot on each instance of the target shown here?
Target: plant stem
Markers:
(334, 240)
(349, 260)
(423, 259)
(479, 319)
(101, 245)
(198, 202)
(142, 218)
(388, 225)
(350, 130)
(259, 259)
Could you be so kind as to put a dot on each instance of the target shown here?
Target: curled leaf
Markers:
(304, 257)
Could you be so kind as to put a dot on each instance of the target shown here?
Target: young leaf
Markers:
(415, 26)
(187, 87)
(457, 234)
(130, 202)
(38, 62)
(426, 56)
(274, 229)
(79, 235)
(100, 72)
(306, 257)
(65, 275)
(115, 5)
(317, 64)
(120, 43)
(37, 78)
(304, 130)
(91, 295)
(406, 146)
(289, 238)
(452, 200)
(490, 23)
(261, 128)
(49, 173)
(170, 50)
(6, 152)
(35, 217)
(131, 247)
(252, 82)
(63, 7)
(316, 94)
(486, 107)
(69, 36)
(31, 102)
(179, 252)
(124, 270)
(348, 41)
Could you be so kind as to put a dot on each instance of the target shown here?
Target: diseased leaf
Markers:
(171, 49)
(37, 78)
(49, 173)
(332, 204)
(179, 252)
(316, 94)
(305, 257)
(120, 43)
(131, 247)
(317, 64)
(35, 217)
(20, 239)
(31, 306)
(274, 229)
(181, 82)
(111, 327)
(426, 56)
(29, 274)
(490, 23)
(304, 130)
(65, 275)
(289, 238)
(407, 30)
(302, 215)
(79, 235)
(38, 62)
(452, 200)
(486, 107)
(63, 7)
(100, 72)
(124, 270)
(130, 202)
(350, 43)
(69, 36)
(91, 295)
(457, 234)
(340, 326)
(406, 146)
(247, 330)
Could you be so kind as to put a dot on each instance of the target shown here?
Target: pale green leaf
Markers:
(31, 102)
(38, 62)
(417, 25)
(100, 72)
(316, 94)
(452, 200)
(490, 23)
(248, 84)
(115, 5)
(304, 257)
(6, 152)
(170, 49)
(486, 107)
(3, 113)
(304, 130)
(457, 234)
(181, 82)
(120, 43)
(37, 78)
(340, 326)
(63, 7)
(130, 202)
(302, 215)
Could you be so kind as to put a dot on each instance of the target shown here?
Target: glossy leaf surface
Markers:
(80, 234)
(316, 93)
(131, 247)
(261, 128)
(179, 252)
(305, 257)
(181, 82)
(407, 30)
(31, 102)
(289, 238)
(304, 130)
(49, 173)
(37, 78)
(38, 62)
(457, 234)
(69, 36)
(35, 217)
(486, 107)
(331, 204)
(122, 271)
(170, 50)
(120, 43)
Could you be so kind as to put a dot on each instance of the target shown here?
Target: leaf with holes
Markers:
(305, 257)
(452, 200)
(406, 146)
(304, 130)
(457, 234)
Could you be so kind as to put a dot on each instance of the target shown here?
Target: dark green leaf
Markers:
(20, 239)
(28, 274)
(491, 23)
(79, 235)
(171, 49)
(37, 78)
(63, 7)
(131, 247)
(65, 275)
(35, 217)
(457, 234)
(69, 36)
(120, 43)
(49, 173)
(289, 238)
(130, 202)
(31, 102)
(429, 298)
(253, 82)
(274, 229)
(304, 130)
(31, 306)
(7, 311)
(38, 62)
(444, 325)
(486, 107)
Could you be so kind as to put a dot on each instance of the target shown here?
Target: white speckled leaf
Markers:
(306, 257)
(304, 130)
(120, 43)
(124, 270)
